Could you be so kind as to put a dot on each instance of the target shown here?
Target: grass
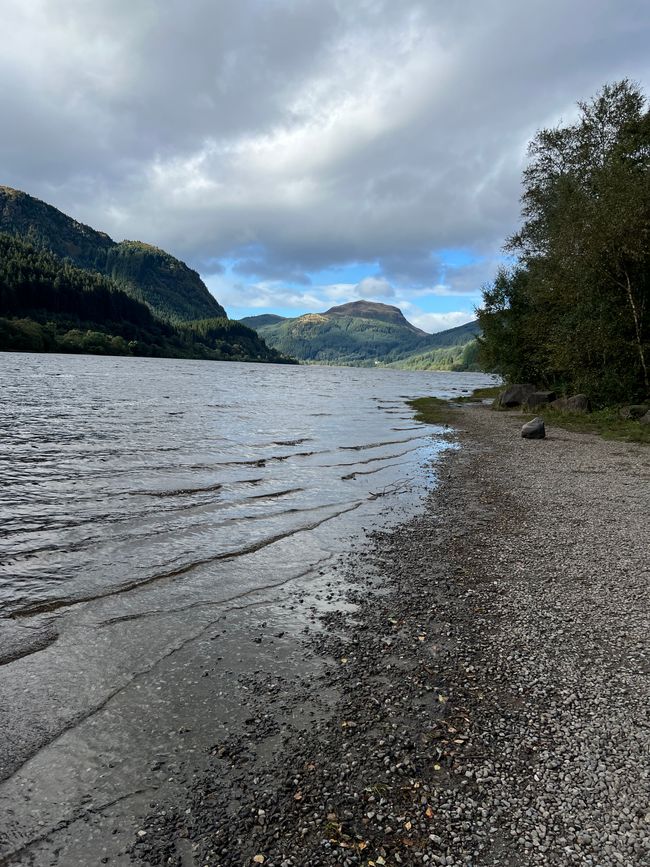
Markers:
(605, 422)
(441, 411)
(432, 410)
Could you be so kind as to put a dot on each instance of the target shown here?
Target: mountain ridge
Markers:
(65, 287)
(49, 305)
(146, 272)
(363, 309)
(364, 333)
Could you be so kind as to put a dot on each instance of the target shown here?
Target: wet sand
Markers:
(477, 690)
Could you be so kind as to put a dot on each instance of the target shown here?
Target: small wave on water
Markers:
(109, 467)
(139, 494)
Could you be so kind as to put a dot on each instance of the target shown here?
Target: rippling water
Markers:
(125, 475)
(143, 503)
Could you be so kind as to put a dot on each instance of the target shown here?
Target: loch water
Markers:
(138, 479)
(140, 499)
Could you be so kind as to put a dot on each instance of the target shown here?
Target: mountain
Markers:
(165, 284)
(49, 304)
(458, 336)
(264, 319)
(362, 333)
(374, 310)
(449, 356)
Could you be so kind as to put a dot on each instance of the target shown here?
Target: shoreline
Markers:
(484, 701)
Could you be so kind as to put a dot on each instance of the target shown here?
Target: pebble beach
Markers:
(478, 682)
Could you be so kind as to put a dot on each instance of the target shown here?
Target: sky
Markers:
(304, 153)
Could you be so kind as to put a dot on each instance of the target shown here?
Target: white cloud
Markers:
(374, 288)
(433, 322)
(317, 133)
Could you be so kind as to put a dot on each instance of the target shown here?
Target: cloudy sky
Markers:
(302, 153)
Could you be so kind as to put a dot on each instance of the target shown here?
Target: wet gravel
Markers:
(482, 696)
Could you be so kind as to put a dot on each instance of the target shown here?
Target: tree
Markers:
(581, 285)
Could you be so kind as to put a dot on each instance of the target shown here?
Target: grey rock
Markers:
(645, 419)
(575, 403)
(634, 411)
(540, 398)
(516, 395)
(534, 430)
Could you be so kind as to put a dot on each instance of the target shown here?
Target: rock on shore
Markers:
(534, 429)
(488, 695)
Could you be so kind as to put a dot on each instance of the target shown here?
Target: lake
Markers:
(142, 499)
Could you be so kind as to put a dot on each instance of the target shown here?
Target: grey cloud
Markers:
(415, 268)
(374, 288)
(469, 279)
(319, 132)
(266, 269)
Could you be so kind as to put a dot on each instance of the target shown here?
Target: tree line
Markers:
(572, 311)
(49, 305)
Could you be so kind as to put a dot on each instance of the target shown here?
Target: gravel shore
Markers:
(481, 695)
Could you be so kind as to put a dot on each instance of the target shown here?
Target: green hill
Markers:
(258, 321)
(150, 275)
(365, 333)
(374, 310)
(454, 356)
(48, 304)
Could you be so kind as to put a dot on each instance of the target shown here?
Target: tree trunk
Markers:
(637, 330)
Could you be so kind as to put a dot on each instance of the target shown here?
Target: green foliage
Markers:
(228, 337)
(380, 335)
(432, 410)
(256, 322)
(49, 305)
(461, 356)
(573, 312)
(33, 279)
(165, 284)
(606, 422)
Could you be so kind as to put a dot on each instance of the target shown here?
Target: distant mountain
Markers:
(457, 336)
(264, 319)
(164, 283)
(447, 355)
(374, 310)
(360, 333)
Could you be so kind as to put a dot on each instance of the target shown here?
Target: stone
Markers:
(516, 395)
(575, 403)
(634, 411)
(534, 430)
(540, 398)
(645, 419)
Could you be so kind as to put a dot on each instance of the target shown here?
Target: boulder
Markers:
(516, 395)
(635, 411)
(645, 419)
(534, 430)
(540, 398)
(576, 403)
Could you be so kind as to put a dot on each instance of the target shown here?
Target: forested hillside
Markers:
(165, 284)
(47, 304)
(365, 333)
(573, 312)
